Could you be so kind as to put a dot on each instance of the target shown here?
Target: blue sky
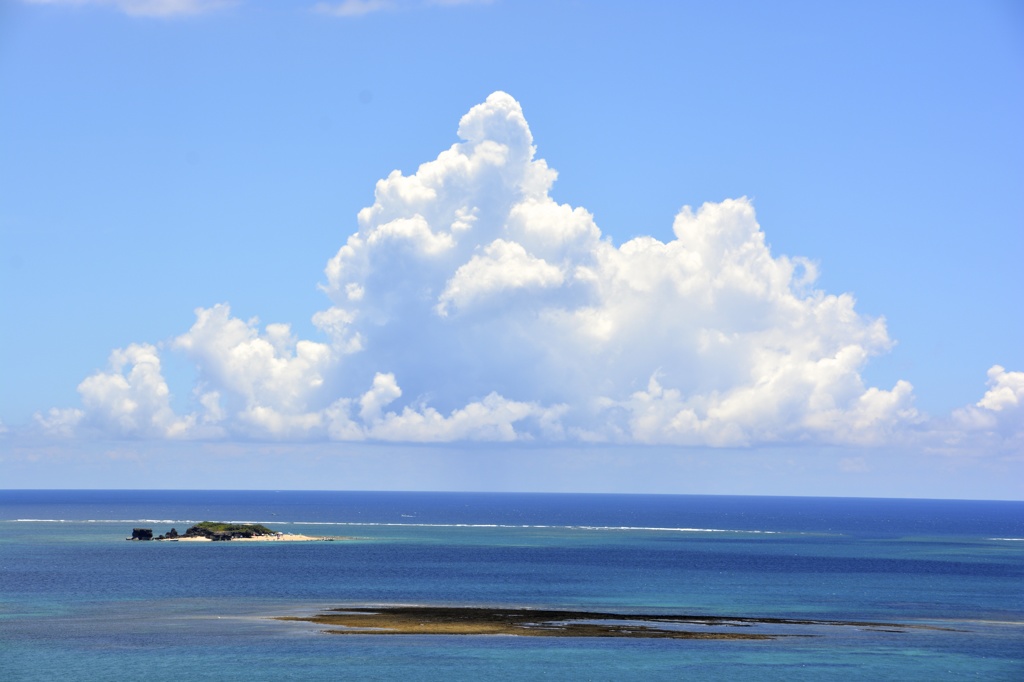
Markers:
(162, 157)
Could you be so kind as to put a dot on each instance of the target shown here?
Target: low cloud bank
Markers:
(147, 8)
(469, 305)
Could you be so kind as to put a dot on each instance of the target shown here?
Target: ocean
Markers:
(79, 602)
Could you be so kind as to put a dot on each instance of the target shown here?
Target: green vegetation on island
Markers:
(242, 530)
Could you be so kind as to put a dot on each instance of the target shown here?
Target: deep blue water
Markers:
(78, 602)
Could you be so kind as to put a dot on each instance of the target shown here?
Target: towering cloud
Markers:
(471, 305)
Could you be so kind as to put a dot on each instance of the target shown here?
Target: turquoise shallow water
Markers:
(77, 601)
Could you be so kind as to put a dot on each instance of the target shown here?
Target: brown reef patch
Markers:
(445, 620)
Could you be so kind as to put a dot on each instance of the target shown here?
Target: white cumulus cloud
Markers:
(130, 398)
(504, 266)
(997, 420)
(270, 380)
(1006, 390)
(470, 305)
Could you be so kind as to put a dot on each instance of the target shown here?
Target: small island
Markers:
(217, 531)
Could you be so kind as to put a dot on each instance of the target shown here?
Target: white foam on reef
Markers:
(102, 521)
(653, 529)
(530, 526)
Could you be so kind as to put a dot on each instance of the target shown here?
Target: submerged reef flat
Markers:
(444, 620)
